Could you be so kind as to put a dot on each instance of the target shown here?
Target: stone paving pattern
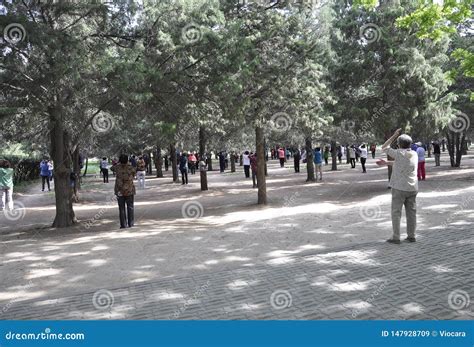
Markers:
(365, 281)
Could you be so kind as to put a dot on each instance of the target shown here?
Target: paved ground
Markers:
(316, 252)
(431, 279)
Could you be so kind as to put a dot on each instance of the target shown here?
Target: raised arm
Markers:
(391, 139)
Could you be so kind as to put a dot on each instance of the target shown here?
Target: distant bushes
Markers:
(24, 169)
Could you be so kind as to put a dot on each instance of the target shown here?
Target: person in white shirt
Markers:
(420, 151)
(363, 157)
(404, 184)
(246, 162)
(104, 168)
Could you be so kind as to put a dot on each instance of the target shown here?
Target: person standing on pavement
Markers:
(373, 148)
(141, 172)
(183, 167)
(318, 163)
(420, 151)
(352, 156)
(192, 161)
(246, 163)
(125, 190)
(281, 156)
(363, 157)
(404, 184)
(297, 158)
(104, 168)
(6, 185)
(44, 173)
(326, 155)
(437, 152)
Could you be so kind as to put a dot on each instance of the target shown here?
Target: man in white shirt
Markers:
(246, 162)
(404, 184)
(363, 157)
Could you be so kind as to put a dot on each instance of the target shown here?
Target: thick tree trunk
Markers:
(62, 169)
(450, 138)
(309, 160)
(209, 161)
(202, 154)
(174, 163)
(333, 156)
(261, 180)
(159, 162)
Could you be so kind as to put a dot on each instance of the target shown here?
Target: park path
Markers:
(332, 231)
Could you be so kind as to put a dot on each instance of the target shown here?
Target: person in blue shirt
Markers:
(318, 163)
(44, 173)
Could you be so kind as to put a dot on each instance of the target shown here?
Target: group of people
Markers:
(139, 164)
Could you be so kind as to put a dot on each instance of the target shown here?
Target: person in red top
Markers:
(281, 156)
(253, 166)
(192, 163)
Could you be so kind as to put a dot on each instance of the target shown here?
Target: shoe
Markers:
(397, 242)
(410, 239)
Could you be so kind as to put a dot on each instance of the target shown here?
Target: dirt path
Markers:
(347, 208)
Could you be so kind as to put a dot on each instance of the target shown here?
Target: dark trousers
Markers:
(362, 161)
(222, 165)
(192, 168)
(373, 155)
(247, 171)
(353, 162)
(297, 166)
(184, 175)
(105, 174)
(326, 161)
(125, 218)
(43, 180)
(282, 162)
(254, 178)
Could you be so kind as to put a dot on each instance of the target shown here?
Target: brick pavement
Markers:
(431, 279)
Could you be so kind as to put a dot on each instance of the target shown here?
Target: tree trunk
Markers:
(77, 174)
(333, 156)
(460, 139)
(450, 138)
(174, 163)
(309, 160)
(150, 165)
(85, 169)
(202, 154)
(261, 180)
(232, 162)
(62, 169)
(209, 161)
(159, 162)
